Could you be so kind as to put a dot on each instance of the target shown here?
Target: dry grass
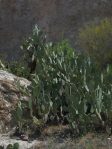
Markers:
(57, 137)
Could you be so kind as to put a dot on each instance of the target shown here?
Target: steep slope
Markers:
(58, 18)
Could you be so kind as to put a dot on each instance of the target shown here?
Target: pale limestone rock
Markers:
(5, 140)
(10, 95)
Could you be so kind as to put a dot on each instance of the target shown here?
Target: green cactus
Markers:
(66, 82)
(16, 146)
(10, 146)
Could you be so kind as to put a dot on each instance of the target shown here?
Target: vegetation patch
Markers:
(67, 87)
(96, 41)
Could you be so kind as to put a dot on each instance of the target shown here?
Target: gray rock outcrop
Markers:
(5, 141)
(10, 95)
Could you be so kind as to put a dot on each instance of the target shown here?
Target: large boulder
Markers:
(10, 95)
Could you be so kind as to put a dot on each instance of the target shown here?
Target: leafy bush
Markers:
(68, 85)
(18, 68)
(48, 73)
(33, 48)
(96, 40)
(50, 80)
(89, 96)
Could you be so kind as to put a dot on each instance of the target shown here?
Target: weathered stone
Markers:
(9, 97)
(58, 18)
(6, 140)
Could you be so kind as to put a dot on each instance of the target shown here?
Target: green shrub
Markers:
(14, 146)
(96, 40)
(50, 79)
(11, 146)
(18, 68)
(33, 48)
(68, 84)
(89, 96)
(49, 73)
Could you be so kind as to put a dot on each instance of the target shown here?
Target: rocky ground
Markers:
(6, 140)
(58, 137)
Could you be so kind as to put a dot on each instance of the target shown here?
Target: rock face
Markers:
(58, 18)
(9, 97)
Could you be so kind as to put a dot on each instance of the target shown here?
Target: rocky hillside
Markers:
(59, 19)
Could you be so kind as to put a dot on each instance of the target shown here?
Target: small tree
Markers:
(96, 40)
